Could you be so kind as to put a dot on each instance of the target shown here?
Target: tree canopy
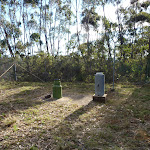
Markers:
(76, 38)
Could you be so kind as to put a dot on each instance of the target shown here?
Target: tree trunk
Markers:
(40, 24)
(120, 34)
(58, 39)
(50, 27)
(46, 31)
(54, 31)
(149, 45)
(148, 61)
(9, 47)
(24, 28)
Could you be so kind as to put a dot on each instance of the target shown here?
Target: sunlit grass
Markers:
(35, 123)
(8, 121)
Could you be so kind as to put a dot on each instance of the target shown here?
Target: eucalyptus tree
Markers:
(77, 25)
(29, 19)
(72, 43)
(55, 7)
(133, 12)
(2, 36)
(44, 16)
(103, 3)
(89, 19)
(15, 21)
(31, 28)
(41, 13)
(11, 32)
(62, 21)
(109, 35)
(10, 24)
(35, 38)
(144, 17)
(135, 17)
(133, 42)
(50, 14)
(121, 29)
(145, 5)
(66, 19)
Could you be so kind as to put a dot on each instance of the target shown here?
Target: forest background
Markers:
(34, 33)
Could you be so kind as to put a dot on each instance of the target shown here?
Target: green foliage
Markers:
(34, 148)
(90, 17)
(3, 43)
(15, 128)
(132, 44)
(142, 16)
(35, 37)
(3, 1)
(19, 46)
(145, 4)
(134, 71)
(31, 1)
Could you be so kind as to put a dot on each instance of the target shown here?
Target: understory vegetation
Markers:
(74, 122)
(73, 68)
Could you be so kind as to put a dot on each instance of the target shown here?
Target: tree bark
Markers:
(9, 47)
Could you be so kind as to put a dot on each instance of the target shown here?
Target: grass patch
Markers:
(10, 120)
(139, 102)
(34, 148)
(15, 128)
(32, 123)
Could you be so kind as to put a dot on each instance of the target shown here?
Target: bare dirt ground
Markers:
(74, 98)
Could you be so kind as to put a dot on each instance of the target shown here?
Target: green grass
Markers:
(34, 123)
(8, 121)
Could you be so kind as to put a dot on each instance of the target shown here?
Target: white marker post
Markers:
(99, 87)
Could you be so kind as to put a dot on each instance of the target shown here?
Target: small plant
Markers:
(9, 121)
(15, 128)
(34, 148)
(6, 137)
(3, 114)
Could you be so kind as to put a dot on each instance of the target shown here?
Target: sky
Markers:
(112, 9)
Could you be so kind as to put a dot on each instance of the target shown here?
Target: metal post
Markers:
(15, 75)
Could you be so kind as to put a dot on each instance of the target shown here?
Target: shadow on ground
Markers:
(110, 126)
(121, 123)
(22, 100)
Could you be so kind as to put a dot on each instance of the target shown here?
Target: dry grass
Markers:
(75, 122)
